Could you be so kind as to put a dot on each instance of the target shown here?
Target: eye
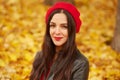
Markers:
(64, 26)
(52, 25)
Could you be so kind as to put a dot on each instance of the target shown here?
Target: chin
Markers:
(58, 45)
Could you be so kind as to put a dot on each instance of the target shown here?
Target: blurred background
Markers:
(22, 30)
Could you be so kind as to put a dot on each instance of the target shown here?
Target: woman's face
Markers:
(59, 29)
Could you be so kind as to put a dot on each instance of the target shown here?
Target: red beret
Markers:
(68, 7)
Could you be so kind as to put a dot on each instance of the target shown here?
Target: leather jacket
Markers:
(80, 70)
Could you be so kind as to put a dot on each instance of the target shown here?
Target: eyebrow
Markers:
(64, 24)
(52, 22)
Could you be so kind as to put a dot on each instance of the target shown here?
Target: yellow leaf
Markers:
(2, 63)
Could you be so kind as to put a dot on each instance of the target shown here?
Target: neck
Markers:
(58, 48)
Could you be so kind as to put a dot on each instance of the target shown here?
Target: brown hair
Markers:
(66, 57)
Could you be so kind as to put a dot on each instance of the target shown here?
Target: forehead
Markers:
(59, 17)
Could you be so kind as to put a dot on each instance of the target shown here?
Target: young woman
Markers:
(59, 58)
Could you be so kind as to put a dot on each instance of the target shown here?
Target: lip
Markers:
(57, 38)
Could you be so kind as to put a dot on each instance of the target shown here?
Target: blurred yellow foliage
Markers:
(22, 29)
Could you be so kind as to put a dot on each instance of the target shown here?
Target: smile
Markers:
(57, 38)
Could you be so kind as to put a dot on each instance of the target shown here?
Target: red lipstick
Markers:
(58, 38)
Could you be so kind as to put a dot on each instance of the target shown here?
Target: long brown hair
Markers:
(66, 57)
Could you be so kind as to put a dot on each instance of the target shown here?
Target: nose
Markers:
(57, 30)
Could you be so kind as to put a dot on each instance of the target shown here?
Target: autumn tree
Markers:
(116, 38)
(51, 2)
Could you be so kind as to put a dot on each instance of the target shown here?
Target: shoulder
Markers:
(37, 58)
(38, 55)
(80, 69)
(80, 59)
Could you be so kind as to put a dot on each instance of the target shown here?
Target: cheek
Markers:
(51, 32)
(65, 33)
(66, 36)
